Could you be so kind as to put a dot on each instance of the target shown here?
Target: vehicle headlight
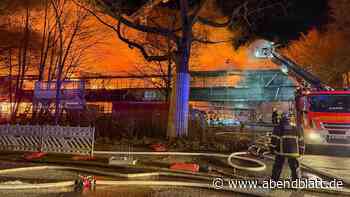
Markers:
(314, 136)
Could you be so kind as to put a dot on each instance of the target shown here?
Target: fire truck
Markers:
(322, 112)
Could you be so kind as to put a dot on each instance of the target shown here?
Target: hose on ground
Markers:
(121, 183)
(260, 166)
(210, 185)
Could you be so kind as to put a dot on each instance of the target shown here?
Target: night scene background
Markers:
(86, 84)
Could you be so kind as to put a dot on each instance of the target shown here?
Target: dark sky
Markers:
(302, 16)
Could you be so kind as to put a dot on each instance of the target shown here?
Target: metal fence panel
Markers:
(68, 139)
(20, 138)
(54, 139)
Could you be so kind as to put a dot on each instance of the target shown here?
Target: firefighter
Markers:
(287, 142)
(274, 116)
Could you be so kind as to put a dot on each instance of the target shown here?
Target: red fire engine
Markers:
(325, 116)
(322, 112)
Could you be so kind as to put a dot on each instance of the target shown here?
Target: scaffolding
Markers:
(71, 95)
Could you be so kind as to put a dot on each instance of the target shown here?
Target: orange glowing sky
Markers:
(224, 57)
(116, 57)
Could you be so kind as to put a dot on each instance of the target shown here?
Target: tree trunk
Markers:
(179, 109)
(22, 66)
(181, 104)
(58, 106)
(168, 81)
(59, 65)
(10, 76)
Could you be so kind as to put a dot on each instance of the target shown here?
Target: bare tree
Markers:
(340, 15)
(51, 42)
(66, 37)
(156, 44)
(18, 52)
(187, 13)
(163, 72)
(326, 53)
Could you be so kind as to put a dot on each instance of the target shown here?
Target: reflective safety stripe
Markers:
(276, 136)
(288, 147)
(289, 143)
(290, 136)
(275, 140)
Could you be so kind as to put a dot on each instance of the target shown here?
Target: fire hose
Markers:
(258, 149)
(128, 182)
(83, 181)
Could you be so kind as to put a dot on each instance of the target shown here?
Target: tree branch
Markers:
(145, 9)
(229, 22)
(140, 47)
(143, 28)
(207, 41)
(199, 8)
(209, 22)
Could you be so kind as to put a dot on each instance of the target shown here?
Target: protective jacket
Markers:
(287, 140)
(274, 117)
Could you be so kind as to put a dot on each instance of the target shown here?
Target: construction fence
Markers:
(47, 138)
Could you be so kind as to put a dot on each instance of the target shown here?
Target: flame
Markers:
(115, 56)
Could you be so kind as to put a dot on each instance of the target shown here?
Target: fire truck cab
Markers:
(325, 117)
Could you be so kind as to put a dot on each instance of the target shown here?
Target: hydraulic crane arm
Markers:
(266, 49)
(297, 70)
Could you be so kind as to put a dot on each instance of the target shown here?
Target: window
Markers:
(330, 103)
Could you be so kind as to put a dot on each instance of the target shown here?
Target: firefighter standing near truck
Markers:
(287, 142)
(274, 116)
